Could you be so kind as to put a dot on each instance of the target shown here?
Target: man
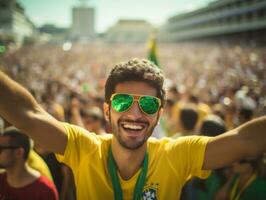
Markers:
(19, 181)
(126, 165)
(188, 119)
(89, 118)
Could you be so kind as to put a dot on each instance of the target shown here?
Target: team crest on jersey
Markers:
(149, 194)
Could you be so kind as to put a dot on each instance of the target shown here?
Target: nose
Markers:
(135, 111)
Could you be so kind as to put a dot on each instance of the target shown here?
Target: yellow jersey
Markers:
(170, 163)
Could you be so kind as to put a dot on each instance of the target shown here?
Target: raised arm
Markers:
(19, 108)
(248, 140)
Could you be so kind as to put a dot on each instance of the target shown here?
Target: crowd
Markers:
(211, 88)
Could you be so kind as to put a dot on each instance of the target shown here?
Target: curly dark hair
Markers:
(135, 70)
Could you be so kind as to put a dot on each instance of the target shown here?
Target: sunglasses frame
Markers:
(137, 97)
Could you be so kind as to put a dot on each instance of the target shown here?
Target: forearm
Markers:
(19, 107)
(15, 101)
(254, 133)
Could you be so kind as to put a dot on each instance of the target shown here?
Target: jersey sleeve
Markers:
(80, 143)
(186, 155)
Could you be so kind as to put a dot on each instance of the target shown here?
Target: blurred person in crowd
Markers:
(212, 126)
(188, 119)
(34, 160)
(244, 99)
(51, 106)
(247, 182)
(167, 120)
(61, 174)
(219, 110)
(127, 164)
(19, 181)
(89, 118)
(201, 108)
(93, 120)
(245, 115)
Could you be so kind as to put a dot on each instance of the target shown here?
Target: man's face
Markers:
(132, 128)
(7, 157)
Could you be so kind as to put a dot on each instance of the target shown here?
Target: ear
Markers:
(19, 152)
(106, 111)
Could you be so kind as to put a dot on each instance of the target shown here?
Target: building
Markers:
(83, 23)
(15, 26)
(134, 31)
(54, 34)
(235, 19)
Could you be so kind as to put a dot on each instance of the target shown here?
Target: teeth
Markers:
(131, 126)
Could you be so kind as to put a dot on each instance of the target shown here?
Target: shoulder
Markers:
(77, 131)
(46, 187)
(184, 140)
(182, 146)
(45, 182)
(83, 137)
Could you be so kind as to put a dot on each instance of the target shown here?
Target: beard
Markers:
(131, 145)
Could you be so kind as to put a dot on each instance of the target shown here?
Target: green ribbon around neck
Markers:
(112, 168)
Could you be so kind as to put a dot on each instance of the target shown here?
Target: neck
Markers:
(125, 156)
(21, 175)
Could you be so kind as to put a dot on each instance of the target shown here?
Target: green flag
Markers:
(2, 49)
(153, 52)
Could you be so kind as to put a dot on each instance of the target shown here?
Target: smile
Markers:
(133, 127)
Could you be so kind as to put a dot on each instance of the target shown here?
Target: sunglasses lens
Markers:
(149, 105)
(121, 102)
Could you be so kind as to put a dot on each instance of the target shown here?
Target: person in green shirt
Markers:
(247, 182)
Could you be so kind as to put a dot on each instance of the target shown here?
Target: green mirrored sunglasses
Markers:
(121, 102)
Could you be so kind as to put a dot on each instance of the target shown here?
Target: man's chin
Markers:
(131, 145)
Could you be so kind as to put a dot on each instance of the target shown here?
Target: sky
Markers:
(108, 12)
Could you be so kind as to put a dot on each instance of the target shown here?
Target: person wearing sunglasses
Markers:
(19, 181)
(128, 164)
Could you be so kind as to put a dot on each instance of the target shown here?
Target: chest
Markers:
(93, 181)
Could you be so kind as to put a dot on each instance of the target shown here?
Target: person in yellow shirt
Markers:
(202, 109)
(128, 164)
(36, 162)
